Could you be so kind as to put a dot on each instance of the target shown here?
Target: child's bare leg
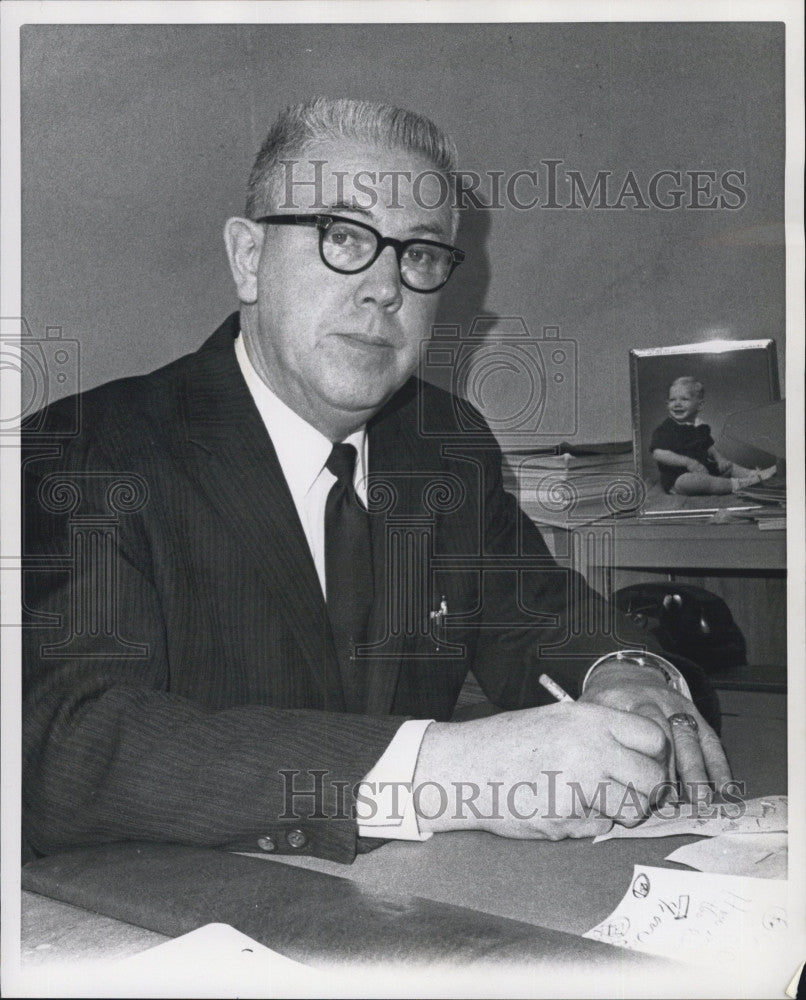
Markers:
(698, 484)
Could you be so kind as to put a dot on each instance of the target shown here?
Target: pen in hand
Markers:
(554, 688)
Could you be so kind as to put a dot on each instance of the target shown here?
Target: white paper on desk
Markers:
(758, 855)
(764, 815)
(698, 918)
(218, 960)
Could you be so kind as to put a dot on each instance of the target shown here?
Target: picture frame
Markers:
(736, 375)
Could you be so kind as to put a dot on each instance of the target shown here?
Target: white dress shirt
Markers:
(386, 805)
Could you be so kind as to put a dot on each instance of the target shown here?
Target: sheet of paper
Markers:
(792, 989)
(698, 918)
(213, 961)
(221, 961)
(763, 815)
(759, 855)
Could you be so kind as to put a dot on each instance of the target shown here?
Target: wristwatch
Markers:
(642, 660)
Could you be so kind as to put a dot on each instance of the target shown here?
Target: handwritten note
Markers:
(764, 815)
(759, 855)
(697, 918)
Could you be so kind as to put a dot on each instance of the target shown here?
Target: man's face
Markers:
(683, 404)
(336, 346)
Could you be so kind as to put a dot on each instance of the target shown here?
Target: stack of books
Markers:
(567, 459)
(573, 483)
(767, 518)
(772, 495)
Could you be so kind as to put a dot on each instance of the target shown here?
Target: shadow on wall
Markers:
(523, 379)
(463, 298)
(462, 302)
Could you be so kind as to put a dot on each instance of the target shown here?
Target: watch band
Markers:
(642, 660)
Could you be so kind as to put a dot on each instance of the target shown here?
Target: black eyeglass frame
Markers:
(324, 222)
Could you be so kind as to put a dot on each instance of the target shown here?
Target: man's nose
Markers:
(380, 284)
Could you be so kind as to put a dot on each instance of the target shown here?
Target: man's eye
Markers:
(351, 240)
(422, 256)
(341, 237)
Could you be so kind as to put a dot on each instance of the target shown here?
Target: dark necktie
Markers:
(348, 564)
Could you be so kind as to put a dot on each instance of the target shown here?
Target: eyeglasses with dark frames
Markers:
(349, 247)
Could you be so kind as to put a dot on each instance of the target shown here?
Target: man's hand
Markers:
(695, 755)
(565, 770)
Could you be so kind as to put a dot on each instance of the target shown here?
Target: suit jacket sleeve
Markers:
(116, 746)
(546, 620)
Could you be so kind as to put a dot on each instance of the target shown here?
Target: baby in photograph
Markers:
(688, 462)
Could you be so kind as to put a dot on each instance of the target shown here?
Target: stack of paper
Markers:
(765, 815)
(745, 838)
(567, 488)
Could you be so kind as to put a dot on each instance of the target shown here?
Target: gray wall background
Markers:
(137, 141)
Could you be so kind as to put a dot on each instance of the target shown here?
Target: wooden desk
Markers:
(565, 886)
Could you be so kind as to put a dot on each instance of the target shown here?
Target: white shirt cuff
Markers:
(384, 800)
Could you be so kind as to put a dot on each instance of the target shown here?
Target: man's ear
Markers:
(244, 241)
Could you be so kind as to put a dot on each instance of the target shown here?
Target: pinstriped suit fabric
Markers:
(221, 671)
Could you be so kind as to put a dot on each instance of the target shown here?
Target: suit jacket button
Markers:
(296, 839)
(266, 844)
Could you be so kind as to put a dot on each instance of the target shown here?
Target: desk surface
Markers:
(566, 886)
(637, 543)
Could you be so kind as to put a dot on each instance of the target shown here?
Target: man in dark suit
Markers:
(258, 579)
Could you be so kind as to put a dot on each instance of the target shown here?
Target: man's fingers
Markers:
(688, 755)
(700, 758)
(594, 825)
(653, 711)
(629, 769)
(630, 806)
(636, 732)
(716, 762)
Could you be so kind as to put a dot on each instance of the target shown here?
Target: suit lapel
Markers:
(237, 468)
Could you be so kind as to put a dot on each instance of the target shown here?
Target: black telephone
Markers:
(687, 620)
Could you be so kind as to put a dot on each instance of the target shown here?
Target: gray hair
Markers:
(299, 127)
(690, 383)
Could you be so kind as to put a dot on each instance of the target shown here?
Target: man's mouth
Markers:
(365, 340)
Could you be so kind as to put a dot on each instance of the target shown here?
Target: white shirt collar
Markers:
(301, 449)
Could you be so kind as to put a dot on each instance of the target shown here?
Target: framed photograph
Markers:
(713, 380)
